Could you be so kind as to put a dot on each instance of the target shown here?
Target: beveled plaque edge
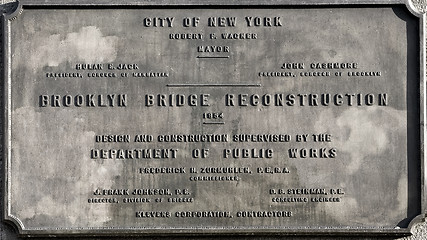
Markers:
(9, 12)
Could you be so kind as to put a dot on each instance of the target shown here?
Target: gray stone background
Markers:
(419, 231)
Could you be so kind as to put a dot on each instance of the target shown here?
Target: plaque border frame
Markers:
(11, 11)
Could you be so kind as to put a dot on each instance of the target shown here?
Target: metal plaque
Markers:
(277, 117)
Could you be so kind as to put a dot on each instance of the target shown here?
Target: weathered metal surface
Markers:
(127, 120)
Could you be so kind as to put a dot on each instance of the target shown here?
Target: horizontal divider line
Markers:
(213, 85)
(213, 57)
(213, 122)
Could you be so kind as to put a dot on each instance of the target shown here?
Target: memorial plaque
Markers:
(265, 118)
